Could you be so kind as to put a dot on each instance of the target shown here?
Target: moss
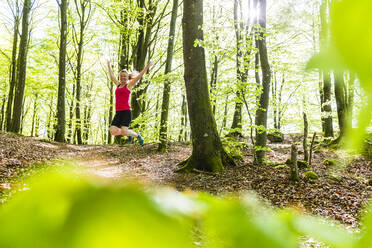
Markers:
(281, 166)
(311, 175)
(302, 164)
(336, 178)
(275, 136)
(46, 140)
(329, 162)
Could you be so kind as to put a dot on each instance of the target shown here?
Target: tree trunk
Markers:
(261, 113)
(2, 113)
(71, 111)
(237, 118)
(13, 70)
(326, 91)
(183, 119)
(213, 82)
(34, 114)
(61, 115)
(224, 119)
(145, 32)
(350, 100)
(208, 153)
(341, 102)
(110, 109)
(22, 65)
(294, 168)
(166, 91)
(84, 11)
(304, 141)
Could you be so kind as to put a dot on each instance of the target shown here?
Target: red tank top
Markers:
(122, 96)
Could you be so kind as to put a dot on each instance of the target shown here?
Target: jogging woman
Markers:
(123, 117)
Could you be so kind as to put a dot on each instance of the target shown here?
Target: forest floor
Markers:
(340, 193)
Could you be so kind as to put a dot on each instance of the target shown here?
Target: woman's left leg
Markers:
(125, 131)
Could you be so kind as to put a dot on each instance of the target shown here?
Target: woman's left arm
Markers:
(135, 80)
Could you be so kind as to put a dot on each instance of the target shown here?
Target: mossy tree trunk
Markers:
(208, 153)
(261, 113)
(166, 91)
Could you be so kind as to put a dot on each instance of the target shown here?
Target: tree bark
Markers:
(208, 153)
(341, 102)
(183, 119)
(304, 141)
(22, 65)
(261, 113)
(145, 21)
(294, 168)
(166, 91)
(326, 107)
(13, 69)
(237, 118)
(2, 113)
(110, 109)
(61, 108)
(84, 8)
(34, 114)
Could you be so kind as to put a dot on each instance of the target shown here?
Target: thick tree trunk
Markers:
(22, 65)
(261, 113)
(13, 70)
(208, 153)
(166, 91)
(61, 115)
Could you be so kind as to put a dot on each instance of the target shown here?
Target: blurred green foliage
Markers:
(62, 209)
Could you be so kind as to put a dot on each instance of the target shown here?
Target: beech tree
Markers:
(208, 153)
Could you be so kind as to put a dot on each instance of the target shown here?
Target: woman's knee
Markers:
(114, 131)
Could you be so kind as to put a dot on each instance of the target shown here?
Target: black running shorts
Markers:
(122, 118)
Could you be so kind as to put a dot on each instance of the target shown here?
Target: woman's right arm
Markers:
(111, 74)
